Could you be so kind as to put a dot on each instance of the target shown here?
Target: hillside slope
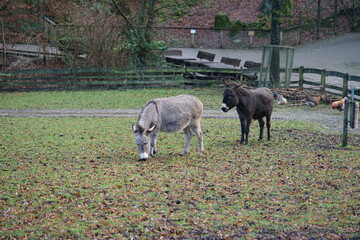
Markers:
(175, 30)
(203, 15)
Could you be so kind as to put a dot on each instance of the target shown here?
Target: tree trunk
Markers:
(142, 32)
(318, 19)
(275, 57)
(146, 21)
(3, 43)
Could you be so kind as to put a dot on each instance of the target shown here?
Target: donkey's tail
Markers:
(280, 99)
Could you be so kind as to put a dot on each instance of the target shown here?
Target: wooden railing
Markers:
(87, 78)
(324, 85)
(94, 78)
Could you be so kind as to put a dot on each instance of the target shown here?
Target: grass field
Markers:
(80, 178)
(112, 99)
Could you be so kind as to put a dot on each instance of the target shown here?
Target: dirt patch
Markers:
(329, 120)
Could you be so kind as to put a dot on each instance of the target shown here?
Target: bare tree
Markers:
(275, 9)
(139, 33)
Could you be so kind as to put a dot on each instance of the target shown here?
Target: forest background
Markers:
(120, 33)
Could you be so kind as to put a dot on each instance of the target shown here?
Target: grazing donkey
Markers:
(170, 115)
(250, 104)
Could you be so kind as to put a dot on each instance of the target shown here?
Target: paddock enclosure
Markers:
(332, 82)
(67, 177)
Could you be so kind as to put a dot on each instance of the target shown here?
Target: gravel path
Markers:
(329, 120)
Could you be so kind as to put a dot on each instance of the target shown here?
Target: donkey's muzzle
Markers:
(224, 107)
(144, 156)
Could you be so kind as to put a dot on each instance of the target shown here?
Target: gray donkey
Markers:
(170, 115)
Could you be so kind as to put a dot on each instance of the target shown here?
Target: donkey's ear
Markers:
(151, 129)
(239, 86)
(134, 128)
(225, 82)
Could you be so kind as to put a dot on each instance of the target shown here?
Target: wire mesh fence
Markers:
(210, 38)
(311, 21)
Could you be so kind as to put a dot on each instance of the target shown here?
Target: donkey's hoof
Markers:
(153, 153)
(183, 153)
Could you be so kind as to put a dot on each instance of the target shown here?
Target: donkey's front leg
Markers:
(243, 130)
(188, 140)
(247, 130)
(153, 139)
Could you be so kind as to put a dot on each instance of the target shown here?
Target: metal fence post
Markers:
(345, 124)
(354, 109)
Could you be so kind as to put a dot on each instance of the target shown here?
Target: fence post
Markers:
(345, 85)
(301, 77)
(345, 124)
(354, 114)
(193, 31)
(354, 109)
(323, 80)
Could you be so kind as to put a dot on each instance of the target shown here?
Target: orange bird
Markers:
(339, 105)
(312, 101)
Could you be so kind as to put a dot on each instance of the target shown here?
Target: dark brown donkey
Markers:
(250, 104)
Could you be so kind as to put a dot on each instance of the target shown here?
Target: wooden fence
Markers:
(95, 78)
(89, 78)
(323, 84)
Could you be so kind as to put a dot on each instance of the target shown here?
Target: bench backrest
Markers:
(251, 64)
(231, 61)
(206, 55)
(173, 52)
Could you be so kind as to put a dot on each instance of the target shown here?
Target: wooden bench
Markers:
(230, 61)
(225, 63)
(201, 55)
(206, 55)
(251, 64)
(175, 56)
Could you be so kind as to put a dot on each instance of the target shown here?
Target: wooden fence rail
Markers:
(323, 84)
(94, 78)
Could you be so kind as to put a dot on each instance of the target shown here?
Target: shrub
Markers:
(236, 27)
(222, 21)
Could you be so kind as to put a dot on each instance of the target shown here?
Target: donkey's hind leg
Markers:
(268, 126)
(188, 140)
(262, 124)
(196, 128)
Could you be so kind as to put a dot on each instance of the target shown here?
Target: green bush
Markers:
(236, 27)
(222, 21)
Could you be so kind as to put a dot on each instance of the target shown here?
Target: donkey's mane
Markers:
(143, 112)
